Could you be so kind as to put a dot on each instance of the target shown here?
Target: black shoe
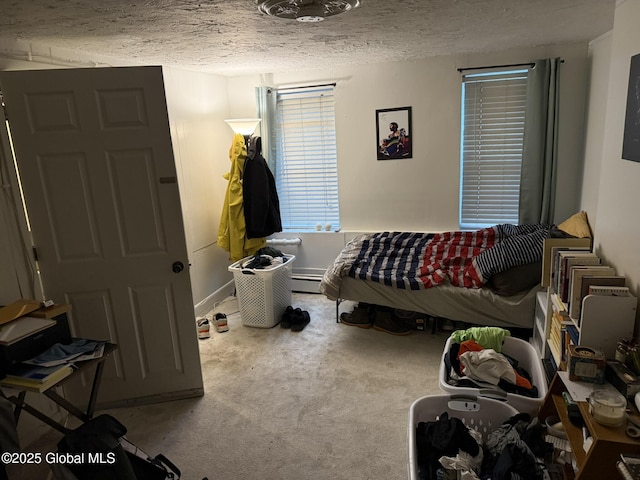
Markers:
(360, 317)
(300, 320)
(386, 321)
(287, 317)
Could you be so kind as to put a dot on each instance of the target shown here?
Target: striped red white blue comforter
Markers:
(411, 260)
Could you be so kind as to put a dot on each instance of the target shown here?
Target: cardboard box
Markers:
(17, 309)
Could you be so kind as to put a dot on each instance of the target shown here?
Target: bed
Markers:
(485, 277)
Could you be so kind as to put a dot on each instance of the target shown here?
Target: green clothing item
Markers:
(487, 337)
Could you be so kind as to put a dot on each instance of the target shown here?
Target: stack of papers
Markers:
(60, 354)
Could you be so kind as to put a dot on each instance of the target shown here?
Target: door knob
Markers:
(177, 267)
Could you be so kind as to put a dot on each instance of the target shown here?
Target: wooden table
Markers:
(599, 462)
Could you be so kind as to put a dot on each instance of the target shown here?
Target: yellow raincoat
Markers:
(232, 232)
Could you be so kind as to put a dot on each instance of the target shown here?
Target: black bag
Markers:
(105, 454)
(147, 468)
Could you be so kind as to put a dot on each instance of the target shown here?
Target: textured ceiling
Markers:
(230, 37)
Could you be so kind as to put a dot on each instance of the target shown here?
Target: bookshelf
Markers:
(598, 320)
(542, 327)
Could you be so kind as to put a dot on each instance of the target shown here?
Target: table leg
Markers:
(21, 405)
(97, 378)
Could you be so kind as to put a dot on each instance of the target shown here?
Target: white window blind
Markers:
(493, 118)
(306, 161)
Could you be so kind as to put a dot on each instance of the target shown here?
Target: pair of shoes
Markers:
(386, 321)
(295, 319)
(359, 317)
(220, 321)
(203, 327)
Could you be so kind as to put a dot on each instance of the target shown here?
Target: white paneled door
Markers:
(95, 157)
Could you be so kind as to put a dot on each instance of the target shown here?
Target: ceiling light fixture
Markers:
(308, 11)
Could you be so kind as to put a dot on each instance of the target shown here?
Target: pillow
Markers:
(516, 279)
(555, 232)
(577, 225)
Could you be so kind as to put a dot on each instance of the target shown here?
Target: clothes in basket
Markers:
(474, 438)
(522, 382)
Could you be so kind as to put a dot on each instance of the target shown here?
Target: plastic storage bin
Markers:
(483, 414)
(527, 357)
(263, 293)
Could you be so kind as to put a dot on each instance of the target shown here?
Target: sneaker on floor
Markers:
(221, 322)
(359, 317)
(386, 322)
(203, 327)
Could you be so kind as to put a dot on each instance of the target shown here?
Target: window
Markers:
(493, 118)
(306, 161)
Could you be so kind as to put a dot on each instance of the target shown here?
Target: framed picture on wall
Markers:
(631, 141)
(393, 126)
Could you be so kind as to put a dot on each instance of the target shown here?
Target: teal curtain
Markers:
(540, 152)
(266, 106)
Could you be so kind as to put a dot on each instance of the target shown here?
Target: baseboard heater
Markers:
(305, 283)
(284, 241)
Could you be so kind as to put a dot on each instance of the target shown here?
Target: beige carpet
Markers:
(330, 402)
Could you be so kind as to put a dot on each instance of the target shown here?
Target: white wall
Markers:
(599, 55)
(617, 225)
(421, 194)
(197, 105)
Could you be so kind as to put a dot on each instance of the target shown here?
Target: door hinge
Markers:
(35, 253)
(4, 107)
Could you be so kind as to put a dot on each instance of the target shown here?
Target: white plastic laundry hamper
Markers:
(263, 293)
(483, 414)
(527, 358)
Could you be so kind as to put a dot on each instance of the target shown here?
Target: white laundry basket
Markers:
(527, 358)
(483, 414)
(263, 293)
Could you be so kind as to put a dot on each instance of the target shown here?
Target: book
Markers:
(547, 251)
(38, 374)
(22, 327)
(573, 263)
(558, 305)
(567, 259)
(555, 262)
(574, 334)
(580, 274)
(20, 383)
(614, 291)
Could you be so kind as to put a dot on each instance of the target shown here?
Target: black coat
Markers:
(260, 198)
